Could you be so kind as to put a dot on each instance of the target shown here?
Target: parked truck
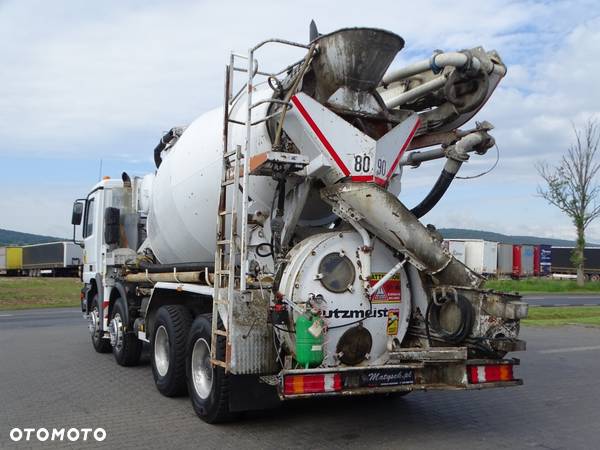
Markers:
(269, 258)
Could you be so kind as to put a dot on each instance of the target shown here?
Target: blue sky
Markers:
(85, 81)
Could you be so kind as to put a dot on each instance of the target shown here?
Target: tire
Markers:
(210, 398)
(169, 340)
(100, 344)
(126, 347)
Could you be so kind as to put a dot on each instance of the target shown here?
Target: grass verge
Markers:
(27, 293)
(564, 315)
(544, 286)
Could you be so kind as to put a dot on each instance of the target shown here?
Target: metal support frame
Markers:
(232, 236)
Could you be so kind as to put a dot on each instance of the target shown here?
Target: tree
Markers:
(572, 186)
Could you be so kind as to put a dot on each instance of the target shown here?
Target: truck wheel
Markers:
(208, 386)
(100, 344)
(127, 348)
(168, 349)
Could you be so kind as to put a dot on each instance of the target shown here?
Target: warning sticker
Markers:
(393, 319)
(389, 292)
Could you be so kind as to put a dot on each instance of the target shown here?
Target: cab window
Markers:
(88, 227)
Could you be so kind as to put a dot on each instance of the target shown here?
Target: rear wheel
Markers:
(127, 348)
(100, 344)
(208, 386)
(168, 349)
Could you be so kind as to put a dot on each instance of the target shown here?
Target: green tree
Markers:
(572, 187)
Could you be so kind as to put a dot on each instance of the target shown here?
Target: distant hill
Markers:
(459, 233)
(9, 237)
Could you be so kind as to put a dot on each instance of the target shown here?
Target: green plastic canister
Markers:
(309, 349)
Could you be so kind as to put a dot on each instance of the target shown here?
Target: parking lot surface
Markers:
(52, 378)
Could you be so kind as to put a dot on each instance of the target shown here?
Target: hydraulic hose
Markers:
(456, 155)
(173, 133)
(432, 320)
(437, 192)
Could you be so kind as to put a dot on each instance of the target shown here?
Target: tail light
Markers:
(312, 384)
(490, 373)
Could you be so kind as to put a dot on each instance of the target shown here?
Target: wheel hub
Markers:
(202, 370)
(161, 351)
(116, 332)
(94, 320)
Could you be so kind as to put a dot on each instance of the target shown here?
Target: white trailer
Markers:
(318, 280)
(481, 256)
(456, 248)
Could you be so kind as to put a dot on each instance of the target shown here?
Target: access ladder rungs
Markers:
(224, 213)
(231, 153)
(227, 183)
(221, 302)
(221, 333)
(224, 242)
(216, 362)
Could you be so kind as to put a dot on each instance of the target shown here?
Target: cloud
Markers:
(103, 80)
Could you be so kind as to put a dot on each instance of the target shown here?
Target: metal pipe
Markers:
(364, 253)
(393, 271)
(386, 217)
(417, 92)
(436, 63)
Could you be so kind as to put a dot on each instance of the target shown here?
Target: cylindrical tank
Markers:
(185, 191)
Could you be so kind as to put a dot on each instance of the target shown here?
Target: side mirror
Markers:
(112, 225)
(77, 213)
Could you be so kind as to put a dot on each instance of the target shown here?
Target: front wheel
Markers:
(208, 386)
(127, 348)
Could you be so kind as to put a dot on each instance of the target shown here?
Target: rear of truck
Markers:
(319, 281)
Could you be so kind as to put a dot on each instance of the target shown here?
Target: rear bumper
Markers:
(389, 378)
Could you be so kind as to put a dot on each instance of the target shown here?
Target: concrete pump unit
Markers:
(269, 257)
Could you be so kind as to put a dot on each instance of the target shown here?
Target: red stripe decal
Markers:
(368, 179)
(321, 136)
(403, 149)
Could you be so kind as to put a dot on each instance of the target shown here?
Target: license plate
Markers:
(386, 377)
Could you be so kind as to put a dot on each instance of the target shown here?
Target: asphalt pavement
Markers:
(52, 378)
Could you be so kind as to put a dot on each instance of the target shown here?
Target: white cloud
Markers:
(104, 79)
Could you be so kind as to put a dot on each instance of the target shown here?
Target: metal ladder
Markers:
(231, 238)
(232, 230)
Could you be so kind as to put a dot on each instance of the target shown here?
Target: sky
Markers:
(85, 82)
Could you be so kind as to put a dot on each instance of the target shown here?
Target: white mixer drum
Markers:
(327, 264)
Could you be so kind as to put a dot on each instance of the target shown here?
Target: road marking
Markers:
(5, 315)
(571, 349)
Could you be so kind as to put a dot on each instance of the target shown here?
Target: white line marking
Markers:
(5, 315)
(571, 349)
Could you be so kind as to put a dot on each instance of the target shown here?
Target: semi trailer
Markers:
(52, 258)
(563, 266)
(269, 257)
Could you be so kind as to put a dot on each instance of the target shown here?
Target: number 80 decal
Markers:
(362, 163)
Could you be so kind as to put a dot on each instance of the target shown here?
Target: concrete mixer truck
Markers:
(270, 256)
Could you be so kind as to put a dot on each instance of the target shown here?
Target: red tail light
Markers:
(490, 373)
(312, 384)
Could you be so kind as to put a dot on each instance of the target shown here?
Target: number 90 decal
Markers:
(381, 169)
